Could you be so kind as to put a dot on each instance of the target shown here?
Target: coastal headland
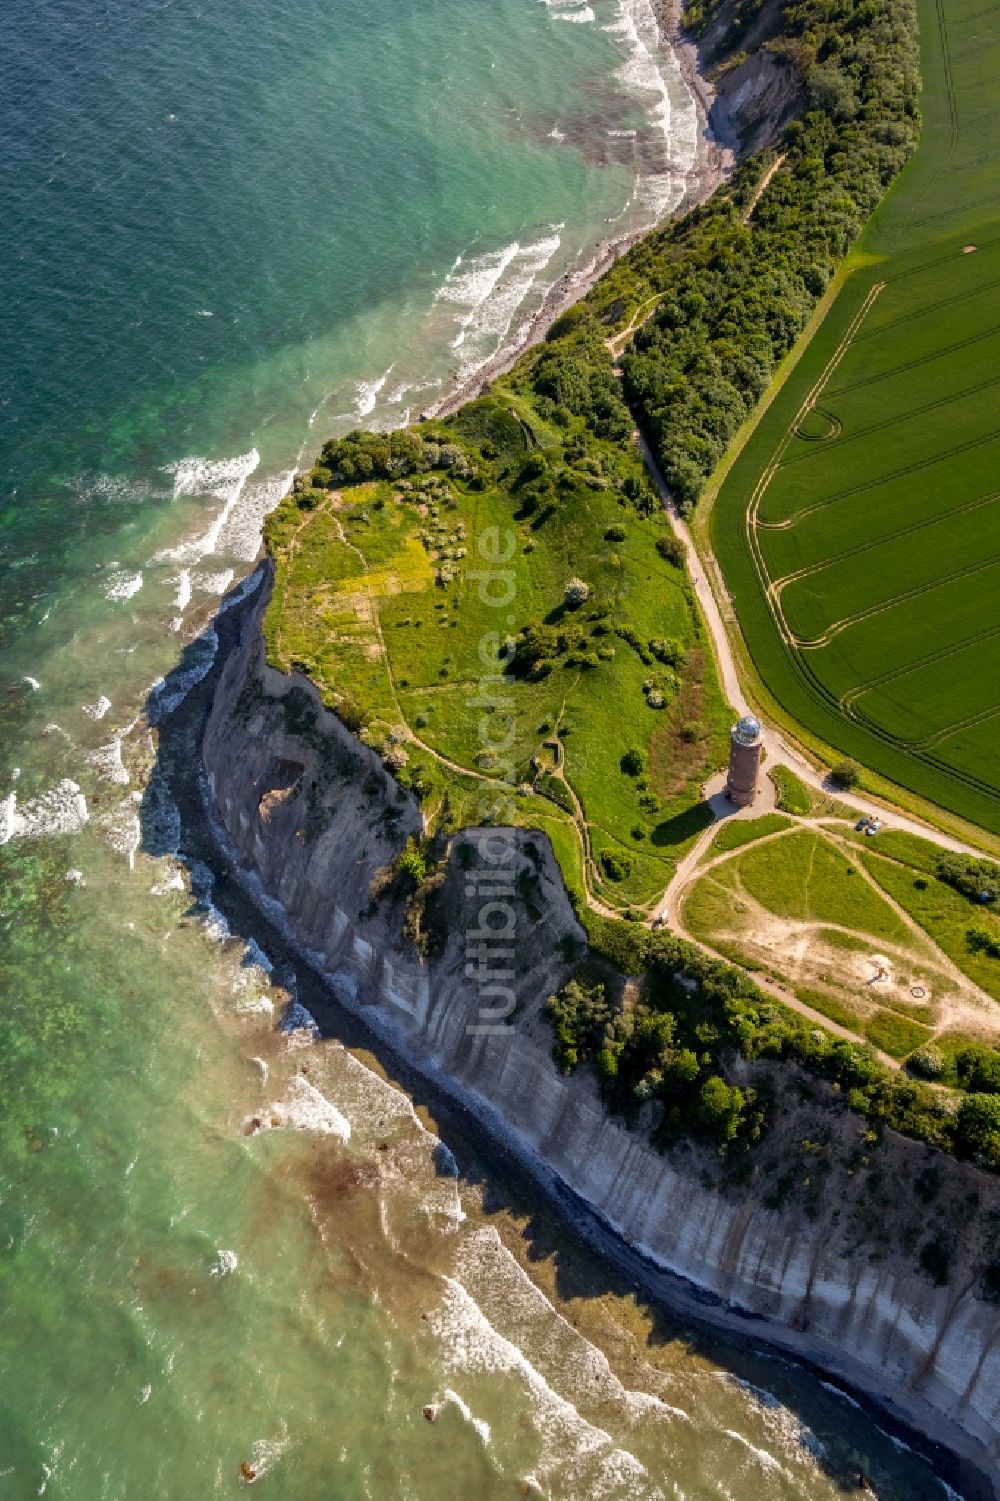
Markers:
(477, 680)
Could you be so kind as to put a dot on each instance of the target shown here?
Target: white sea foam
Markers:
(121, 584)
(490, 290)
(396, 395)
(166, 694)
(239, 536)
(767, 1462)
(265, 1454)
(648, 72)
(99, 709)
(220, 479)
(479, 1424)
(245, 589)
(213, 583)
(182, 598)
(61, 809)
(108, 758)
(509, 1298)
(828, 1386)
(303, 1108)
(368, 394)
(120, 488)
(599, 1467)
(120, 826)
(583, 15)
(224, 1263)
(766, 1399)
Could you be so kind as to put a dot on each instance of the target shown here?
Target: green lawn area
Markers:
(813, 881)
(793, 795)
(736, 833)
(944, 914)
(866, 500)
(395, 598)
(894, 1034)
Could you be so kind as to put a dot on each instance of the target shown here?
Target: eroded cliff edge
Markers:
(313, 816)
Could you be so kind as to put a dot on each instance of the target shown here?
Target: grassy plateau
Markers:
(431, 611)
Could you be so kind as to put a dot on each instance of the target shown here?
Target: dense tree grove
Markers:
(366, 456)
(734, 297)
(737, 296)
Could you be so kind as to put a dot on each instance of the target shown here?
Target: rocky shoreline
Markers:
(716, 156)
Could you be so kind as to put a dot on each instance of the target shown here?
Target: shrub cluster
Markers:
(975, 878)
(367, 456)
(693, 1004)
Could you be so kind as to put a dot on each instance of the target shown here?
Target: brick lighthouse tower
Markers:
(746, 745)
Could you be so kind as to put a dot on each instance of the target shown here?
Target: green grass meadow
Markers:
(380, 596)
(867, 501)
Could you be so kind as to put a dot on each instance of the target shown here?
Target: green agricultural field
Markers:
(859, 529)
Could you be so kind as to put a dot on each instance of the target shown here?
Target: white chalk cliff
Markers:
(312, 814)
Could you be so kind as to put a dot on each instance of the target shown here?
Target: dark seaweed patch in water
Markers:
(606, 129)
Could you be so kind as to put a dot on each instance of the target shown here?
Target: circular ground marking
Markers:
(817, 425)
(918, 992)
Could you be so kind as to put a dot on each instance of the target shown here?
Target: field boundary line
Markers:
(851, 696)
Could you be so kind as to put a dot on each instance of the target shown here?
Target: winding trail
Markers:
(762, 186)
(778, 753)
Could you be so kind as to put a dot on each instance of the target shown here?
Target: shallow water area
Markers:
(224, 1244)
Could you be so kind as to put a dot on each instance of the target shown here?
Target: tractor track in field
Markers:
(941, 654)
(778, 586)
(883, 479)
(816, 643)
(878, 427)
(924, 359)
(929, 307)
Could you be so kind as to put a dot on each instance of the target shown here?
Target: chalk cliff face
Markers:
(759, 97)
(311, 813)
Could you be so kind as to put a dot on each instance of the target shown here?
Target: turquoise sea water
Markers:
(231, 229)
